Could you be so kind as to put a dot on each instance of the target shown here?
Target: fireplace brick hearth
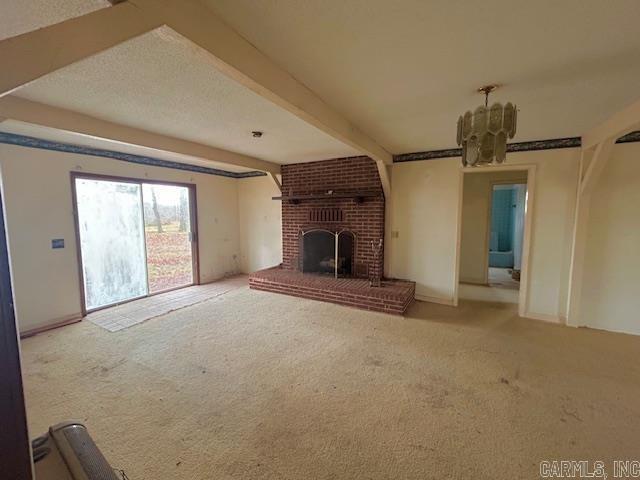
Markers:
(393, 296)
(333, 196)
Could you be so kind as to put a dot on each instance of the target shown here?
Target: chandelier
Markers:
(483, 134)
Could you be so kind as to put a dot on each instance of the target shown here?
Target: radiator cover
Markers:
(67, 451)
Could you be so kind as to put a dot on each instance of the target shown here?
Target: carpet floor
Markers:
(256, 385)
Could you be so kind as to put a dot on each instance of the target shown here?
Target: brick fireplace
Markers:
(341, 211)
(332, 237)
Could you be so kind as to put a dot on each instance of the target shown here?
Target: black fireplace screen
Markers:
(328, 253)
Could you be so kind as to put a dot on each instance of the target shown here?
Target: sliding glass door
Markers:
(167, 224)
(136, 238)
(111, 241)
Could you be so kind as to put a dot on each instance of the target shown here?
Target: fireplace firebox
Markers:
(327, 253)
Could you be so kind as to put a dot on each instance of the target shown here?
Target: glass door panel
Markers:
(167, 223)
(112, 243)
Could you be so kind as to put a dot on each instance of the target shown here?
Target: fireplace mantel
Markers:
(358, 196)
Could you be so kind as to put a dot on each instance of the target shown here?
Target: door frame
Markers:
(193, 221)
(523, 298)
(15, 447)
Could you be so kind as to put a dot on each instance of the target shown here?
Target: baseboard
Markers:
(545, 317)
(226, 276)
(60, 322)
(439, 300)
(474, 282)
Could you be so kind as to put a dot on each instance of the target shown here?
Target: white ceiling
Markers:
(21, 16)
(163, 83)
(400, 70)
(404, 70)
(72, 138)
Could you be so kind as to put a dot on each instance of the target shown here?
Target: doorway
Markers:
(506, 234)
(494, 229)
(136, 238)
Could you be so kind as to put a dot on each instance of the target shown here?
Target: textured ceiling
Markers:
(54, 135)
(21, 16)
(162, 83)
(404, 70)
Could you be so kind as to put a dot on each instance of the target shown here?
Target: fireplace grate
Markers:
(326, 215)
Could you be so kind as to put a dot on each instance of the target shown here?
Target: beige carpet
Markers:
(485, 293)
(256, 385)
(132, 313)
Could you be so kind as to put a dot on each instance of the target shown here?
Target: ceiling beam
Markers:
(619, 124)
(276, 181)
(32, 55)
(35, 113)
(384, 171)
(597, 146)
(595, 166)
(578, 243)
(591, 166)
(244, 63)
(37, 53)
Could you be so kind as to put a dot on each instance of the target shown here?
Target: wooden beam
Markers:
(32, 55)
(597, 145)
(619, 124)
(47, 116)
(241, 61)
(385, 178)
(37, 53)
(578, 251)
(595, 166)
(276, 180)
(592, 164)
(579, 243)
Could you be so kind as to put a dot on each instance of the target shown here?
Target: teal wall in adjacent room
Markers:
(502, 219)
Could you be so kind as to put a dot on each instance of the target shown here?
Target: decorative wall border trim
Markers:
(571, 142)
(33, 142)
(630, 137)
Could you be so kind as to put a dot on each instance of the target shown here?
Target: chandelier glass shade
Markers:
(483, 134)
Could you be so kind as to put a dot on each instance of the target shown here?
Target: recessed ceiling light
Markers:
(256, 134)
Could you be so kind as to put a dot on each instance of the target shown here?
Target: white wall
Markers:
(611, 283)
(424, 213)
(476, 214)
(240, 230)
(37, 197)
(260, 220)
